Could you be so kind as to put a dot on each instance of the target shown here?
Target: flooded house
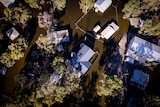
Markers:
(81, 60)
(142, 51)
(102, 5)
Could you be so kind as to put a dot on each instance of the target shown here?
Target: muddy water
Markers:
(9, 77)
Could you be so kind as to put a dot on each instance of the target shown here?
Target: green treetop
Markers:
(15, 52)
(35, 3)
(132, 9)
(59, 4)
(45, 42)
(86, 5)
(17, 15)
(109, 85)
(58, 64)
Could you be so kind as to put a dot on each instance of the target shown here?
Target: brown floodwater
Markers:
(71, 14)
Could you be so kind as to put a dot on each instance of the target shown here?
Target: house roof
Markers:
(140, 78)
(134, 22)
(81, 59)
(59, 36)
(102, 5)
(63, 35)
(6, 3)
(143, 49)
(109, 30)
(12, 33)
(55, 78)
(84, 55)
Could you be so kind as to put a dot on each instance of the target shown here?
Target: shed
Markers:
(102, 5)
(12, 33)
(136, 22)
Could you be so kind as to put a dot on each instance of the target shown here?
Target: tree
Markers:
(45, 42)
(17, 15)
(151, 101)
(135, 8)
(15, 52)
(50, 93)
(145, 9)
(45, 91)
(109, 85)
(86, 5)
(150, 27)
(1, 36)
(59, 4)
(58, 64)
(35, 3)
(149, 5)
(132, 9)
(20, 79)
(6, 59)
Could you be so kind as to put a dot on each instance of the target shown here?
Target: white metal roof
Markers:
(102, 5)
(12, 33)
(85, 53)
(109, 30)
(6, 3)
(145, 49)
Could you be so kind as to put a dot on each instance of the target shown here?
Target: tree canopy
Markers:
(151, 101)
(47, 92)
(35, 3)
(150, 27)
(109, 85)
(15, 52)
(51, 93)
(17, 15)
(1, 36)
(148, 11)
(45, 42)
(86, 5)
(59, 4)
(132, 9)
(58, 64)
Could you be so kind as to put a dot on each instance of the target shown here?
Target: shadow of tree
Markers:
(30, 30)
(110, 45)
